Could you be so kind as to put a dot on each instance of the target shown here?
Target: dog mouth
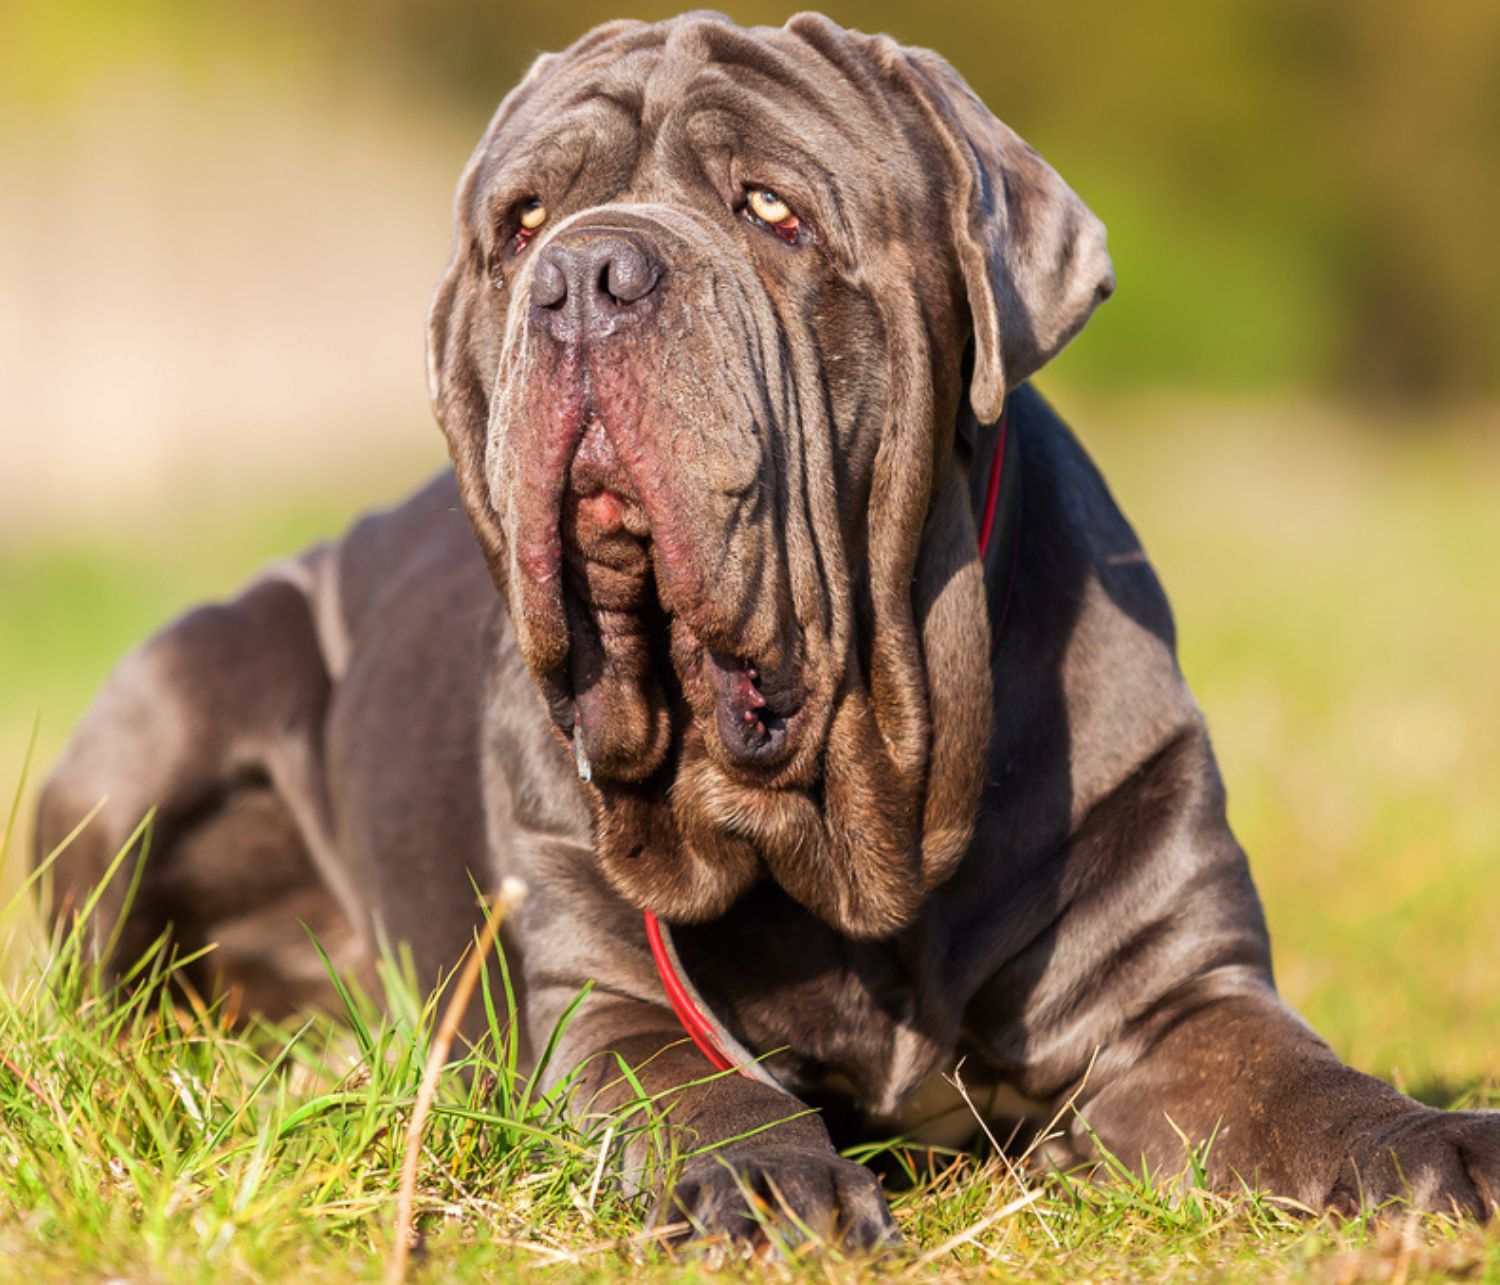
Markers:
(639, 673)
(751, 725)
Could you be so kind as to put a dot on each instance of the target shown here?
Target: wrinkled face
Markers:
(684, 397)
(698, 358)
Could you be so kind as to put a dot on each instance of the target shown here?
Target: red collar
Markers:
(999, 519)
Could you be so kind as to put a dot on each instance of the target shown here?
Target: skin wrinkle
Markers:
(897, 691)
(821, 605)
(734, 50)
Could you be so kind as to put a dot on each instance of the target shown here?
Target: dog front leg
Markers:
(1280, 1111)
(746, 1148)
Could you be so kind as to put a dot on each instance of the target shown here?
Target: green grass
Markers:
(143, 1134)
(144, 1137)
(1336, 600)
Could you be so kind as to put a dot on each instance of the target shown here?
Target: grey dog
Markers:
(822, 665)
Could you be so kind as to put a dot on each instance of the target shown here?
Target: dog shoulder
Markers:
(1086, 674)
(1067, 495)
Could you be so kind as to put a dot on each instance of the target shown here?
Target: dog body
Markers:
(727, 316)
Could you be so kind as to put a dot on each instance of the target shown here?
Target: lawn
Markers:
(1337, 588)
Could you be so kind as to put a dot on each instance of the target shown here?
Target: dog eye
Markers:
(530, 216)
(764, 206)
(768, 207)
(533, 214)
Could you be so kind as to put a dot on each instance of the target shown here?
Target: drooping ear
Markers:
(1031, 253)
(464, 325)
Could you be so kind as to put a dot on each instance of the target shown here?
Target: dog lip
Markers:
(596, 465)
(754, 728)
(603, 521)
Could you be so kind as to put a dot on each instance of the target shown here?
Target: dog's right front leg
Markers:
(746, 1148)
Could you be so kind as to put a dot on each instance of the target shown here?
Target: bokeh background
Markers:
(220, 224)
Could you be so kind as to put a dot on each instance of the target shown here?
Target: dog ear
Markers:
(465, 322)
(1032, 254)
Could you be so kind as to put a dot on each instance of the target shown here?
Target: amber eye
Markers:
(768, 207)
(533, 215)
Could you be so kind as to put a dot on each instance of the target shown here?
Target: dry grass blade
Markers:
(31, 1086)
(512, 892)
(981, 1225)
(1017, 1169)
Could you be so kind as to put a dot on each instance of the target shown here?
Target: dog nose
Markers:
(588, 285)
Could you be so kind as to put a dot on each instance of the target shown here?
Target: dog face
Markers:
(699, 357)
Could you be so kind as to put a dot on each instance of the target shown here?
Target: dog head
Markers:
(699, 355)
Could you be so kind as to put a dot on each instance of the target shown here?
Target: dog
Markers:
(828, 705)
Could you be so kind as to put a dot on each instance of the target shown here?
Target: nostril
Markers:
(629, 275)
(549, 283)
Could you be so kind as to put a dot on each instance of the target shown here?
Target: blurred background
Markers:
(220, 224)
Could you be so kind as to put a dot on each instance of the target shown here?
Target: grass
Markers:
(143, 1137)
(1336, 599)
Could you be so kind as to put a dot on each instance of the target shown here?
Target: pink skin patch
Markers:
(604, 511)
(554, 421)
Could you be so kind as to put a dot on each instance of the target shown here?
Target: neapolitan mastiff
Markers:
(730, 356)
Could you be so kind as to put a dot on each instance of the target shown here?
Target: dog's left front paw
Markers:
(797, 1192)
(1443, 1161)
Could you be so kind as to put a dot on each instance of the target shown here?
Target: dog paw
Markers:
(774, 1197)
(1443, 1161)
